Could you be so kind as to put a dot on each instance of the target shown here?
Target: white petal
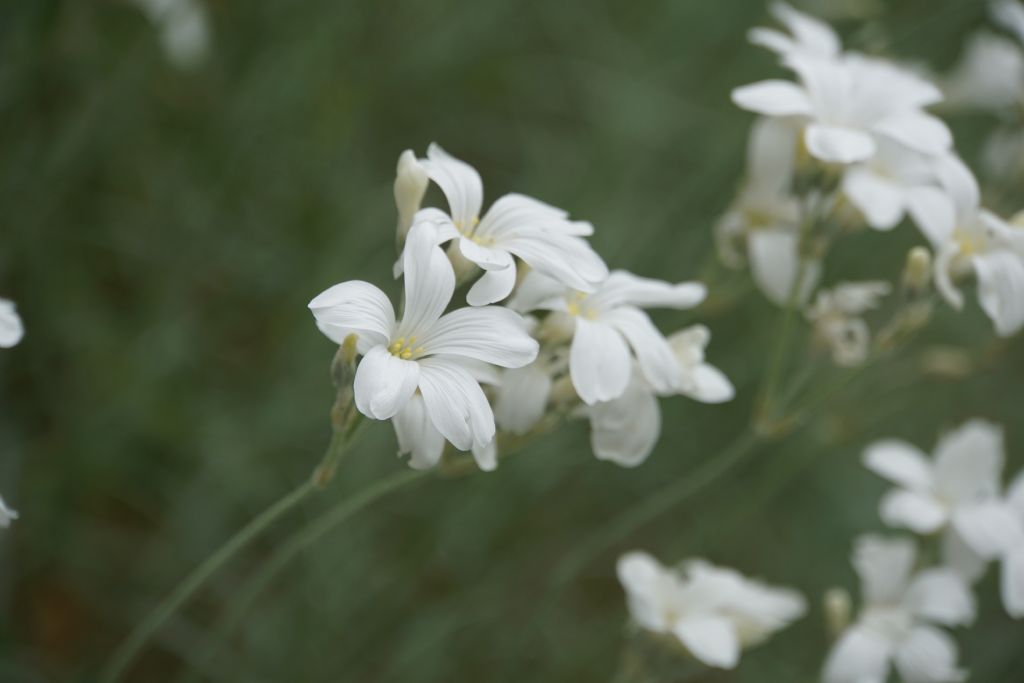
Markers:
(989, 528)
(599, 362)
(774, 265)
(488, 258)
(837, 144)
(7, 515)
(942, 596)
(928, 655)
(429, 280)
(655, 357)
(708, 384)
(512, 212)
(879, 198)
(773, 98)
(944, 258)
(771, 156)
(710, 639)
(1015, 494)
(933, 212)
(1001, 289)
(417, 435)
(455, 403)
(384, 383)
(354, 307)
(899, 462)
(492, 287)
(919, 512)
(647, 587)
(11, 328)
(811, 34)
(626, 289)
(959, 557)
(884, 566)
(859, 656)
(1012, 583)
(538, 291)
(559, 255)
(960, 184)
(918, 130)
(625, 430)
(491, 334)
(522, 398)
(969, 462)
(486, 456)
(460, 184)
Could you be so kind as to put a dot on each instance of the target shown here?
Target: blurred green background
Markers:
(163, 231)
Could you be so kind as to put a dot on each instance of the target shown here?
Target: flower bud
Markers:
(918, 271)
(410, 185)
(837, 606)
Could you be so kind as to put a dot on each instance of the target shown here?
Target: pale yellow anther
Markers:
(406, 355)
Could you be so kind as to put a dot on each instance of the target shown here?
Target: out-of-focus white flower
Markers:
(896, 181)
(978, 241)
(1012, 579)
(714, 612)
(7, 515)
(956, 493)
(989, 75)
(847, 103)
(427, 354)
(626, 429)
(411, 182)
(1002, 154)
(836, 314)
(609, 322)
(895, 626)
(807, 35)
(184, 30)
(1010, 15)
(514, 226)
(11, 327)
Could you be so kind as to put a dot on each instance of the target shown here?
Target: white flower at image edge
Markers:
(418, 370)
(514, 226)
(895, 626)
(714, 612)
(11, 327)
(7, 515)
(850, 101)
(607, 324)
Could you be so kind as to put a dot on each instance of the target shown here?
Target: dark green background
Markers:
(162, 233)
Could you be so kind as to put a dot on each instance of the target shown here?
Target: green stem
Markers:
(777, 363)
(140, 635)
(653, 506)
(287, 552)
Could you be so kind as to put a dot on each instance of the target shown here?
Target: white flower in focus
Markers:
(7, 515)
(606, 324)
(11, 327)
(896, 624)
(514, 226)
(836, 314)
(184, 30)
(714, 612)
(418, 370)
(955, 492)
(847, 104)
(979, 242)
(989, 75)
(807, 35)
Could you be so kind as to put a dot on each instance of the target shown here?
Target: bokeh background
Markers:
(164, 228)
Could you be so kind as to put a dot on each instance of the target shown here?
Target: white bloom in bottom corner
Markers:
(896, 626)
(7, 515)
(11, 327)
(836, 314)
(714, 612)
(625, 430)
(419, 370)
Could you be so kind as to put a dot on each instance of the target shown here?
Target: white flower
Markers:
(848, 103)
(11, 327)
(807, 35)
(184, 30)
(989, 75)
(514, 226)
(895, 627)
(609, 322)
(976, 240)
(425, 354)
(955, 492)
(836, 314)
(1010, 15)
(7, 515)
(712, 611)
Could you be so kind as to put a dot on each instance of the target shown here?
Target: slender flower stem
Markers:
(323, 525)
(140, 635)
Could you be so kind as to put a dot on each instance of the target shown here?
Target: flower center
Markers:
(576, 305)
(405, 348)
(467, 232)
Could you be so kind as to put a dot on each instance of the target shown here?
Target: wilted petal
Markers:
(928, 655)
(625, 430)
(941, 595)
(899, 462)
(384, 383)
(599, 361)
(417, 435)
(710, 639)
(838, 145)
(773, 98)
(859, 656)
(491, 334)
(354, 307)
(455, 403)
(522, 398)
(460, 184)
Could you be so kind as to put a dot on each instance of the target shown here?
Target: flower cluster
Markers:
(956, 496)
(851, 144)
(571, 340)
